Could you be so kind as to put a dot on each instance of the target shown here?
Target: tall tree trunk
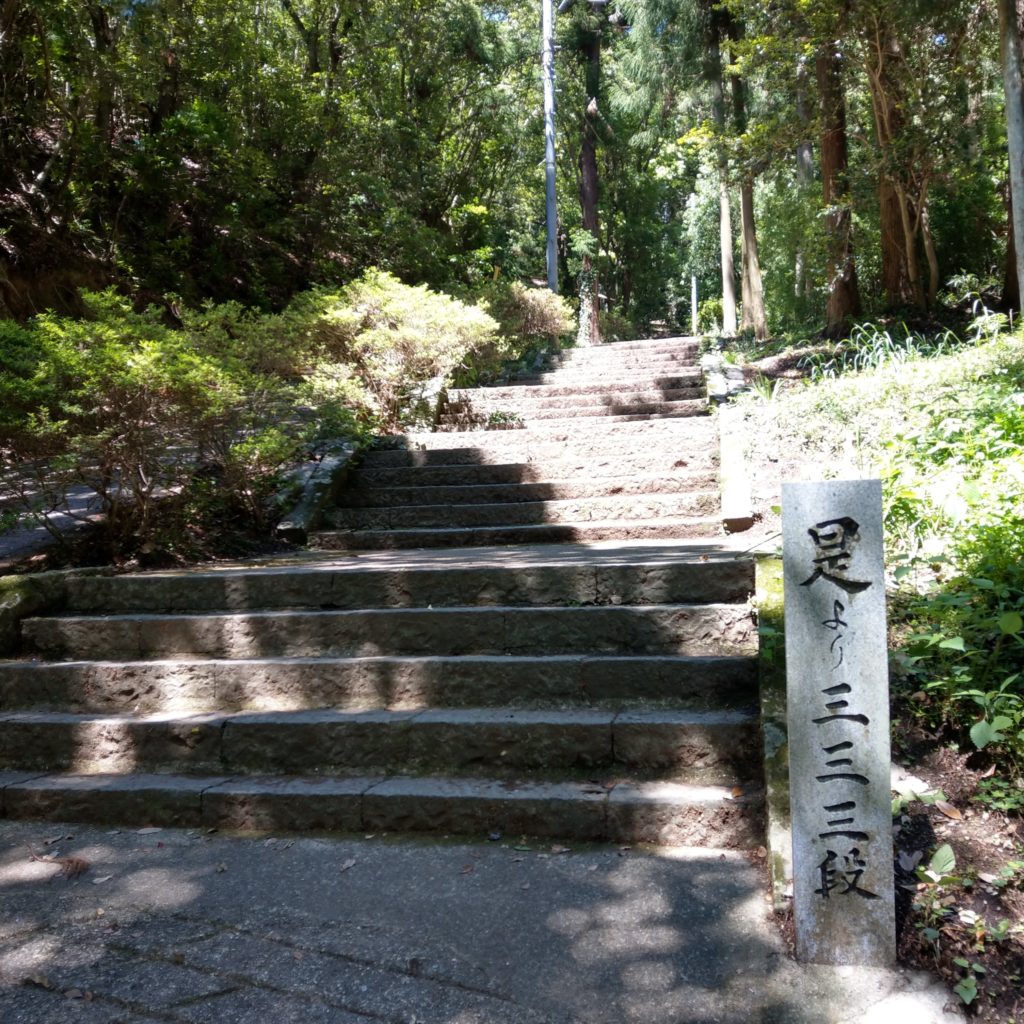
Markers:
(901, 276)
(713, 73)
(589, 329)
(843, 294)
(1011, 279)
(1013, 87)
(105, 41)
(802, 285)
(754, 317)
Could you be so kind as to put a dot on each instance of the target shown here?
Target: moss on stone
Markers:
(22, 596)
(772, 673)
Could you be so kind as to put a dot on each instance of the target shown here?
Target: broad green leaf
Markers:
(953, 643)
(1010, 622)
(943, 860)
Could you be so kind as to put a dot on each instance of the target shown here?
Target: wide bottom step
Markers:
(544, 533)
(656, 812)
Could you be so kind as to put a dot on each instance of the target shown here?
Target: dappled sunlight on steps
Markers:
(444, 671)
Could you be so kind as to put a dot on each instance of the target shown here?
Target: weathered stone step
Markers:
(667, 813)
(651, 629)
(491, 399)
(543, 423)
(612, 362)
(518, 392)
(396, 683)
(629, 508)
(573, 379)
(712, 746)
(548, 577)
(551, 490)
(544, 533)
(603, 435)
(675, 342)
(600, 474)
(623, 349)
(559, 410)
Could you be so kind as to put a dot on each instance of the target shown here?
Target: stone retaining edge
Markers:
(772, 674)
(29, 594)
(737, 507)
(321, 482)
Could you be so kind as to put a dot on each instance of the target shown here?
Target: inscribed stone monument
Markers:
(838, 720)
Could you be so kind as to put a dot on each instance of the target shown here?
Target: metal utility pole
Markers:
(547, 56)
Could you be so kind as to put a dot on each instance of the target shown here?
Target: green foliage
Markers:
(709, 316)
(870, 346)
(396, 338)
(197, 422)
(953, 483)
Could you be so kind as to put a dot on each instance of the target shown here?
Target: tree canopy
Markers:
(841, 156)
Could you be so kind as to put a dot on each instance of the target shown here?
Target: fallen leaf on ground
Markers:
(559, 849)
(74, 993)
(55, 839)
(948, 809)
(467, 869)
(348, 864)
(102, 879)
(221, 868)
(736, 791)
(72, 867)
(39, 980)
(148, 831)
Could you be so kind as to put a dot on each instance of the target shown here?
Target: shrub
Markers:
(529, 314)
(395, 337)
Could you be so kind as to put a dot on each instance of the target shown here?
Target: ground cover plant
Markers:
(941, 419)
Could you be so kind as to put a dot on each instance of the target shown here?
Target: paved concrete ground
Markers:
(169, 925)
(30, 538)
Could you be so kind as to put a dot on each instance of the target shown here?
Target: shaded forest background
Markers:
(214, 150)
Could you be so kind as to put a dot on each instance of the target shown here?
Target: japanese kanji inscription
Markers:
(838, 719)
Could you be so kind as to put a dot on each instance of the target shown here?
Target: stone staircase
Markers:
(442, 670)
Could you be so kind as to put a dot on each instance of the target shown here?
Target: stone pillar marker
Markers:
(838, 721)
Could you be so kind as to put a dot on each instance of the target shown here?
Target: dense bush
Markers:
(199, 419)
(954, 487)
(528, 319)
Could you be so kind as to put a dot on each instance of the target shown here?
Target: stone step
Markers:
(550, 490)
(673, 343)
(612, 362)
(598, 473)
(585, 401)
(378, 683)
(643, 346)
(603, 435)
(573, 379)
(628, 508)
(625, 629)
(717, 747)
(544, 533)
(474, 417)
(442, 466)
(517, 392)
(650, 812)
(547, 576)
(544, 423)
